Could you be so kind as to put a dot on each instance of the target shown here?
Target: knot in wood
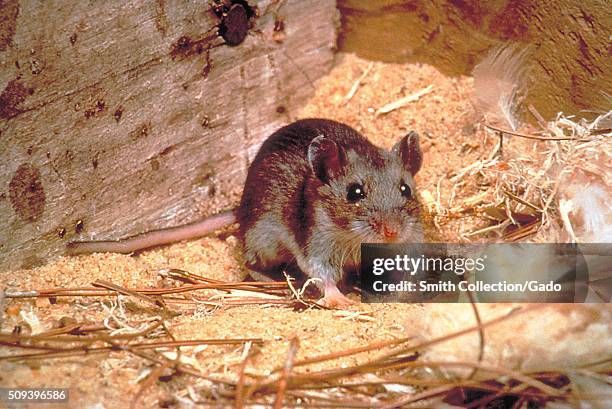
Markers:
(234, 25)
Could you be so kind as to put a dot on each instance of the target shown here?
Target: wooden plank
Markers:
(118, 117)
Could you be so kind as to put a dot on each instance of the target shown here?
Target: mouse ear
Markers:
(325, 158)
(409, 151)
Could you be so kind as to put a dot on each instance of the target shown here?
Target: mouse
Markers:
(315, 191)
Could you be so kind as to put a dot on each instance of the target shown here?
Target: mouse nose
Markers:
(389, 231)
(387, 227)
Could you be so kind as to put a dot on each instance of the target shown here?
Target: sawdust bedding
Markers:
(453, 137)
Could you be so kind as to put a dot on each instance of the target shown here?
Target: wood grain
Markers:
(119, 117)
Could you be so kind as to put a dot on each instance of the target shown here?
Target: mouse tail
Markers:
(156, 237)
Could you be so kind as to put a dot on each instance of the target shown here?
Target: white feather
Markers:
(498, 85)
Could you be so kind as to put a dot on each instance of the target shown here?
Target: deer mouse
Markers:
(315, 191)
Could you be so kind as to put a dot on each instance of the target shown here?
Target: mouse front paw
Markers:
(333, 298)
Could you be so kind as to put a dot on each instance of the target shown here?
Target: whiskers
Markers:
(346, 248)
(347, 241)
(412, 233)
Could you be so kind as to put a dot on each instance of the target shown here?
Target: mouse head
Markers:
(365, 191)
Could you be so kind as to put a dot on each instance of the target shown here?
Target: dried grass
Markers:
(395, 376)
(516, 193)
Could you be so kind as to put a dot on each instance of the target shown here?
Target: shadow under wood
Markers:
(567, 42)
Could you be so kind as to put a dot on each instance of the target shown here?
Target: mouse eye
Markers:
(355, 193)
(406, 191)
